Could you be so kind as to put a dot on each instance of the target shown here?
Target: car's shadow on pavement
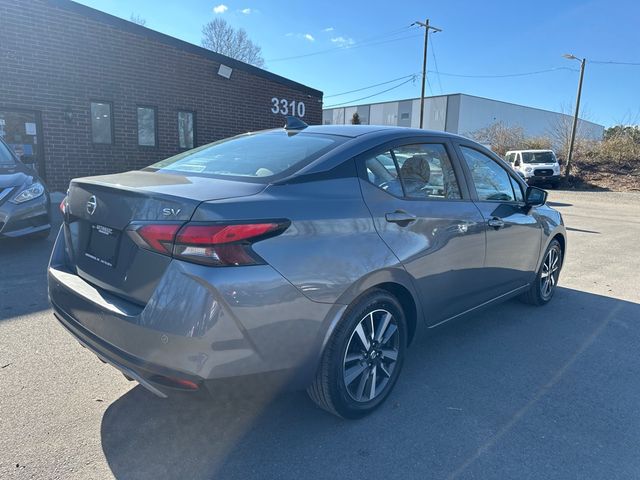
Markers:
(512, 392)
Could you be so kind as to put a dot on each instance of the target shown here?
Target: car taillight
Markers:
(223, 245)
(159, 237)
(210, 244)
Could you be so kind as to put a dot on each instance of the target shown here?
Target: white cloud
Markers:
(343, 41)
(301, 36)
(246, 11)
(220, 8)
(328, 29)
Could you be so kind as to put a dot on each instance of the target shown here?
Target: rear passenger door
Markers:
(423, 211)
(513, 231)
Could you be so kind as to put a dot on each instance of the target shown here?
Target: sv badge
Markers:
(171, 212)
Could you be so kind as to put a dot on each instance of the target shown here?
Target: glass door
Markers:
(22, 131)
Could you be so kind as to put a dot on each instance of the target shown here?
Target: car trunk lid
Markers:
(99, 210)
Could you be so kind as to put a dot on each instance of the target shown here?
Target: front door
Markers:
(513, 232)
(20, 129)
(427, 219)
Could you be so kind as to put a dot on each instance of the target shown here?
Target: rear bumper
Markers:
(202, 324)
(26, 218)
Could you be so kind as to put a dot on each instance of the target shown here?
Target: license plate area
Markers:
(102, 246)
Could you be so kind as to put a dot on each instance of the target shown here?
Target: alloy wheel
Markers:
(371, 355)
(550, 272)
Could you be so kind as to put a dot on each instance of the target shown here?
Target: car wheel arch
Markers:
(398, 283)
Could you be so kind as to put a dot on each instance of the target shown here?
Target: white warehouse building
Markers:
(460, 113)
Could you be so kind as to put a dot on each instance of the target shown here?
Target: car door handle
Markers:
(496, 222)
(400, 217)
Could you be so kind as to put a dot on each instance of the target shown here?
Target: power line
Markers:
(435, 62)
(411, 77)
(367, 42)
(614, 63)
(341, 49)
(429, 85)
(370, 96)
(370, 86)
(507, 75)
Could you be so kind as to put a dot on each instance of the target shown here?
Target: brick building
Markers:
(86, 93)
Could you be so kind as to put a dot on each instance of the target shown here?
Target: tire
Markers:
(555, 185)
(540, 292)
(345, 355)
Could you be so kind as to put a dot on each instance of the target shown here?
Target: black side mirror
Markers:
(27, 159)
(535, 197)
(517, 163)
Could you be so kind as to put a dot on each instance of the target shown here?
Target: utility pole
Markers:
(426, 27)
(567, 168)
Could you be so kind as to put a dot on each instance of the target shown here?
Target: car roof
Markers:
(353, 131)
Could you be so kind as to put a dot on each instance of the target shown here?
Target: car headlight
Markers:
(34, 190)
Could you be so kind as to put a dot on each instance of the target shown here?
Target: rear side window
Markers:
(426, 171)
(382, 172)
(415, 171)
(261, 155)
(492, 182)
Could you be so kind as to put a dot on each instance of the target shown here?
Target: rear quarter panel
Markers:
(331, 246)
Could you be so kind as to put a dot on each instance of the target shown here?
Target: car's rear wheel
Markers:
(544, 286)
(363, 358)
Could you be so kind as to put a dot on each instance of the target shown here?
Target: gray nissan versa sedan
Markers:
(24, 200)
(306, 257)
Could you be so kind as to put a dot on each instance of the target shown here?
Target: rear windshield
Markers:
(6, 158)
(252, 156)
(538, 157)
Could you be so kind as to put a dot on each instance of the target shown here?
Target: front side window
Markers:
(426, 171)
(492, 182)
(101, 122)
(261, 155)
(147, 126)
(185, 130)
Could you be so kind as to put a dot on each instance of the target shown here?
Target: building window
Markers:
(147, 126)
(101, 131)
(185, 129)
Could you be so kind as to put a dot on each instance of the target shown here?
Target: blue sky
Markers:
(371, 42)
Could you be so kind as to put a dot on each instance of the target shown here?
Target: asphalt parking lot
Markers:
(513, 392)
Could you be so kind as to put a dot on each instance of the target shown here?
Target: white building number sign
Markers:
(286, 107)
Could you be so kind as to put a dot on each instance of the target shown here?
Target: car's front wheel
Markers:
(362, 361)
(544, 286)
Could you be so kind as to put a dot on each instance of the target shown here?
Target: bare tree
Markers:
(500, 137)
(135, 18)
(559, 133)
(220, 37)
